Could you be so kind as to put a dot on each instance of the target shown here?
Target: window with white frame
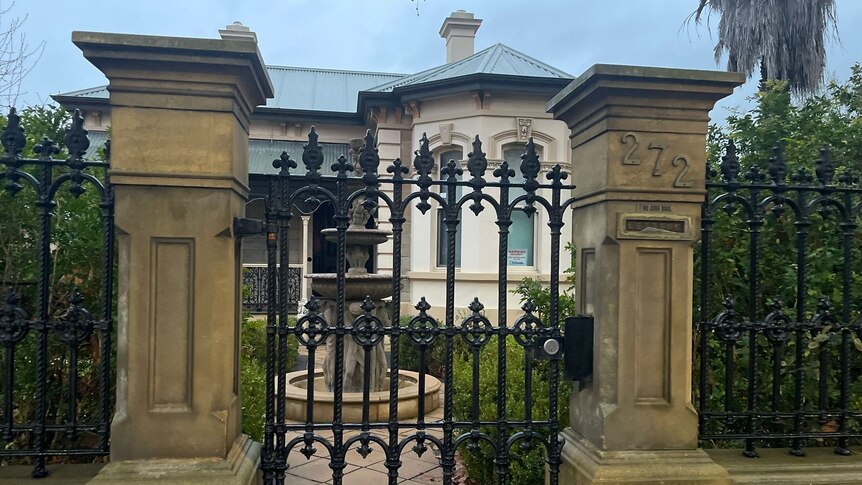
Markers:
(456, 154)
(521, 250)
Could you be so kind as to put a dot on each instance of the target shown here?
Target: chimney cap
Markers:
(460, 19)
(237, 31)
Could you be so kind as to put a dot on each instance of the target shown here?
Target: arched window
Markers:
(456, 154)
(522, 232)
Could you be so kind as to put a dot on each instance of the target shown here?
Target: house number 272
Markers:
(680, 161)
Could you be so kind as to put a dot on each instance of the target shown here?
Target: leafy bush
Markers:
(540, 293)
(253, 373)
(527, 465)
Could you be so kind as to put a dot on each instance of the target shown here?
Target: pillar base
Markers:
(584, 464)
(239, 468)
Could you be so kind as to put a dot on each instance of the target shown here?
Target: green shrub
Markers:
(527, 466)
(408, 353)
(253, 373)
(540, 293)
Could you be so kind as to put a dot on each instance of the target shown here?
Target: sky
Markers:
(391, 36)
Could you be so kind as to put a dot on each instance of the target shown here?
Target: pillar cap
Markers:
(111, 52)
(713, 84)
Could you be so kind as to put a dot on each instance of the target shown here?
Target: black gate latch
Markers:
(575, 347)
(243, 227)
(578, 351)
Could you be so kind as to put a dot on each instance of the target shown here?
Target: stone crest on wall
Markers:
(525, 129)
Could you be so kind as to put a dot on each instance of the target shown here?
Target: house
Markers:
(498, 94)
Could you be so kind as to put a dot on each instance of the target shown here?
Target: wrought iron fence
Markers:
(56, 337)
(778, 338)
(399, 194)
(254, 279)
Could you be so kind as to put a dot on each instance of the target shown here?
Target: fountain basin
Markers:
(356, 285)
(378, 402)
(358, 236)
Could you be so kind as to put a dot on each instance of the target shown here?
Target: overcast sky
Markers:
(388, 35)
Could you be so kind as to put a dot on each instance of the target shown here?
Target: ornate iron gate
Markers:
(57, 384)
(776, 362)
(470, 333)
(255, 297)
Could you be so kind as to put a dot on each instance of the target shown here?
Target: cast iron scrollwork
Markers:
(369, 160)
(476, 329)
(729, 165)
(311, 329)
(422, 329)
(367, 327)
(12, 137)
(777, 325)
(312, 156)
(476, 165)
(13, 320)
(76, 323)
(728, 325)
(825, 166)
(423, 164)
(528, 326)
(284, 163)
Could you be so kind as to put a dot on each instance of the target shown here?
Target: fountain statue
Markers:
(359, 284)
(365, 295)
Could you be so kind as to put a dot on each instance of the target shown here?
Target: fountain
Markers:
(364, 294)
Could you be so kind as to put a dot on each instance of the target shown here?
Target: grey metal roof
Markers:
(337, 91)
(321, 89)
(97, 141)
(301, 88)
(498, 59)
(261, 153)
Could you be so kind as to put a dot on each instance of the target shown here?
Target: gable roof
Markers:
(499, 59)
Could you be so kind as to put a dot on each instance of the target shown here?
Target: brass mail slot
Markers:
(642, 225)
(654, 226)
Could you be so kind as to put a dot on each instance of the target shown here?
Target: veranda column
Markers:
(638, 157)
(179, 148)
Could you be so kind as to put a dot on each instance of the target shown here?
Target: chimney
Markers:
(459, 30)
(237, 31)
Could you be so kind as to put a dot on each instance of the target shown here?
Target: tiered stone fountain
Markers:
(359, 284)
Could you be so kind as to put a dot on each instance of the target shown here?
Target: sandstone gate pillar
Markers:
(179, 131)
(638, 157)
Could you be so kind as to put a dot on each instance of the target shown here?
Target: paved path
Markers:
(414, 469)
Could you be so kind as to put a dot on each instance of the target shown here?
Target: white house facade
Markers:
(498, 94)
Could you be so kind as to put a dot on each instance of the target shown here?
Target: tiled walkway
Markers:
(371, 470)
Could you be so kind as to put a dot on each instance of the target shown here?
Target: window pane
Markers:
(442, 247)
(521, 239)
(521, 235)
(513, 157)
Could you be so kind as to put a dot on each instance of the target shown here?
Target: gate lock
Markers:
(575, 348)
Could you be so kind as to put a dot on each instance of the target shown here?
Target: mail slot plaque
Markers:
(654, 226)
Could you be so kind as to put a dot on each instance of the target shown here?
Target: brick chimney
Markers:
(459, 30)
